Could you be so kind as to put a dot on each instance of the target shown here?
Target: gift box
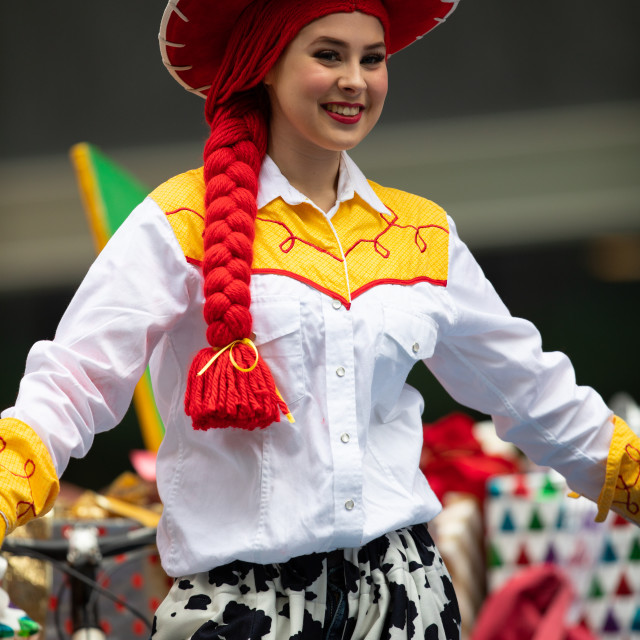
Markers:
(530, 520)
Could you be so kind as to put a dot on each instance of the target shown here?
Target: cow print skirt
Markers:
(394, 588)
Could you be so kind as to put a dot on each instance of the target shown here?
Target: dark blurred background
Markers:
(521, 119)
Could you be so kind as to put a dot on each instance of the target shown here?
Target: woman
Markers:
(293, 502)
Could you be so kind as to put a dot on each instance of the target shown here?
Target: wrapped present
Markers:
(530, 520)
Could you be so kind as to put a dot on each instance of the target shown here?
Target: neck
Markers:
(314, 174)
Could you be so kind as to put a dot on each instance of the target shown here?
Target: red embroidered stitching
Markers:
(29, 507)
(289, 242)
(632, 507)
(170, 213)
(420, 242)
(29, 470)
(28, 473)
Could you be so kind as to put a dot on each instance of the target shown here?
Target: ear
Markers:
(272, 75)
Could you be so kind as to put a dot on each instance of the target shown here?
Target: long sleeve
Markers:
(81, 383)
(494, 363)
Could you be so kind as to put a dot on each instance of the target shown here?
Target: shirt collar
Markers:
(350, 181)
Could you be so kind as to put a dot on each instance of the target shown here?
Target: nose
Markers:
(352, 79)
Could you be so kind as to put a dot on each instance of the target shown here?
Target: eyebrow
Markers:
(341, 43)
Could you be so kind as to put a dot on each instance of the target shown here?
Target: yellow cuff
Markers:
(28, 480)
(621, 490)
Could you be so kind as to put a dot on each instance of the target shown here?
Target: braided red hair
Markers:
(237, 389)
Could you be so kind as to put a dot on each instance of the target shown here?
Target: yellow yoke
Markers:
(409, 244)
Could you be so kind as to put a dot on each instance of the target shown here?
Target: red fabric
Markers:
(532, 605)
(453, 460)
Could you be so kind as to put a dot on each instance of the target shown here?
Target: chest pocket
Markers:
(407, 337)
(276, 324)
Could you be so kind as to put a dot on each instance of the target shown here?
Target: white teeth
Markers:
(342, 110)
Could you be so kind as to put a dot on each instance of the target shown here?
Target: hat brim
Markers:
(193, 33)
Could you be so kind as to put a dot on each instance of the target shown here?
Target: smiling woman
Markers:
(281, 300)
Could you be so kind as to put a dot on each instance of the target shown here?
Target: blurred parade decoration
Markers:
(109, 194)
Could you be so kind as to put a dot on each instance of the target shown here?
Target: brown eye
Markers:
(327, 54)
(373, 59)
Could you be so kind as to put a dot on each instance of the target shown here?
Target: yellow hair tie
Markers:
(231, 358)
(238, 367)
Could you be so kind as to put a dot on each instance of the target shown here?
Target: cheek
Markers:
(379, 87)
(315, 83)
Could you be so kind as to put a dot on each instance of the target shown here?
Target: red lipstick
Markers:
(344, 119)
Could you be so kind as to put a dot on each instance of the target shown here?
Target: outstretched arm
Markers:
(494, 363)
(81, 383)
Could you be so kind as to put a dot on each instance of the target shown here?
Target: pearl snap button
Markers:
(340, 371)
(349, 504)
(415, 347)
(336, 304)
(345, 437)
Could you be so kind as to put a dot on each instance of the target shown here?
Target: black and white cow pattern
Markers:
(397, 589)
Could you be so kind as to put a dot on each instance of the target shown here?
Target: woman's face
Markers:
(328, 87)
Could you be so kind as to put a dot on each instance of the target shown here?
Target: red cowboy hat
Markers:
(193, 33)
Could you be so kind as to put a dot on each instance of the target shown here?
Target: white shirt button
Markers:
(349, 504)
(345, 437)
(340, 372)
(336, 304)
(415, 347)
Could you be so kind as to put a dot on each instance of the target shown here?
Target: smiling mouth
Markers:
(343, 109)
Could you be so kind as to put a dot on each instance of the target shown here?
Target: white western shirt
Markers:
(347, 470)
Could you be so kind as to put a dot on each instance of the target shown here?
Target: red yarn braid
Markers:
(226, 394)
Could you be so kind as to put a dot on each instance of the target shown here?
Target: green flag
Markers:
(109, 193)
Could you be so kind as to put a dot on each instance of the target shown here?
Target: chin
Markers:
(343, 145)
